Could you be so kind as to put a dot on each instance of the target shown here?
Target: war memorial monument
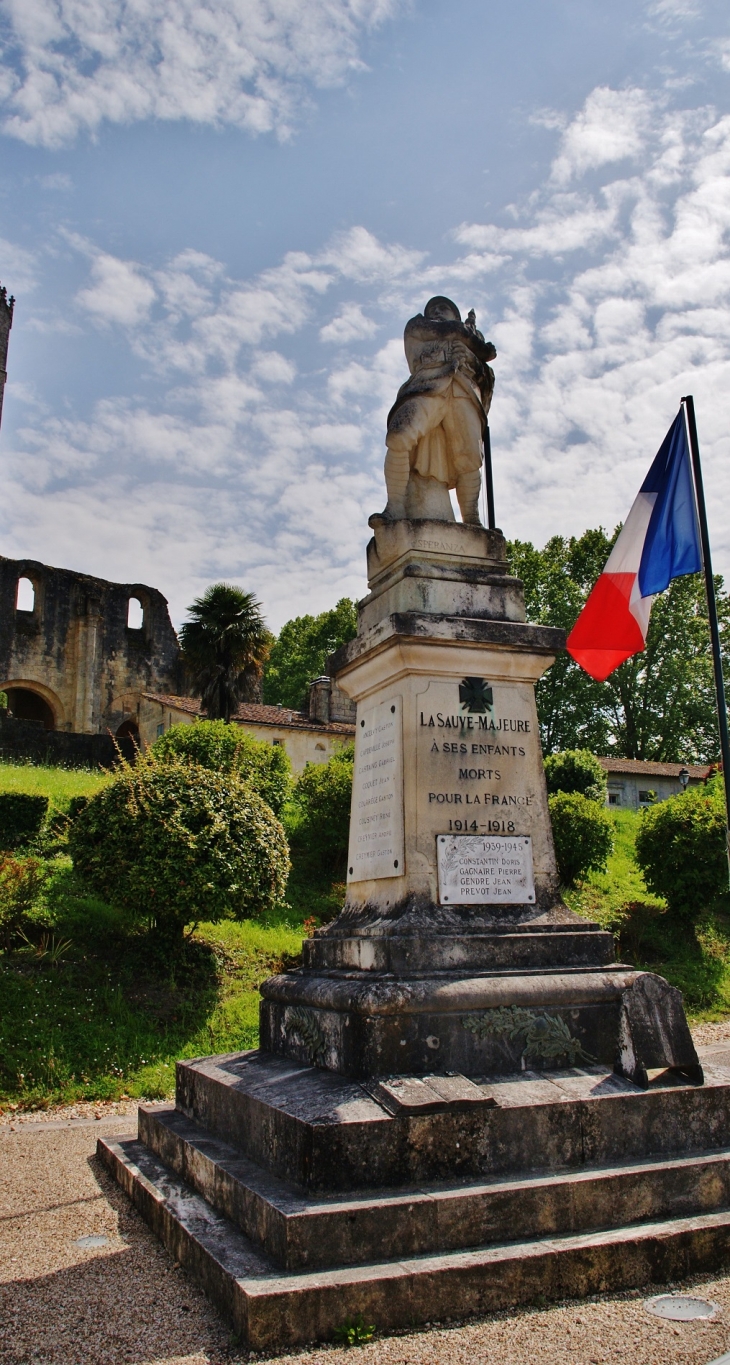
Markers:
(460, 1101)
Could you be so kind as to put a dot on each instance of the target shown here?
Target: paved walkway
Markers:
(124, 1300)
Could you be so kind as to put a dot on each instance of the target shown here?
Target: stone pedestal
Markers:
(461, 1101)
(454, 952)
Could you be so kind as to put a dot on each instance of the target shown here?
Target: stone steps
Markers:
(299, 1232)
(273, 1309)
(323, 1131)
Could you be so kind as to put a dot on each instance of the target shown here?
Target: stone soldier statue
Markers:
(436, 425)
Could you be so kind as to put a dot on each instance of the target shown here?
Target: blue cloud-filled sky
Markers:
(217, 216)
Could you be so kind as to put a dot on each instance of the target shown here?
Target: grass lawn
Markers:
(111, 1017)
(60, 784)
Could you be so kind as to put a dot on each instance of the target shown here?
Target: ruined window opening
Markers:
(135, 614)
(319, 746)
(25, 704)
(25, 598)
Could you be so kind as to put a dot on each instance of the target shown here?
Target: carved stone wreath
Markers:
(546, 1036)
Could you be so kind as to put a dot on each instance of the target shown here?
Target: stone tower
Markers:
(6, 321)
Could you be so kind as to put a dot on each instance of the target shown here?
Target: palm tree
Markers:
(225, 645)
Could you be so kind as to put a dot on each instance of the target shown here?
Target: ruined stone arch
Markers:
(29, 685)
(122, 715)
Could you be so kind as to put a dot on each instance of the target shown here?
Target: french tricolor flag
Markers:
(660, 540)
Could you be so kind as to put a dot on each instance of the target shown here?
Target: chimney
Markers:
(319, 699)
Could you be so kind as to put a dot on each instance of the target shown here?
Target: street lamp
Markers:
(683, 776)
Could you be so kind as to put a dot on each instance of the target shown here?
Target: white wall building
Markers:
(633, 783)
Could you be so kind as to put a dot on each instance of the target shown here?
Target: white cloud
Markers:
(610, 127)
(592, 362)
(77, 63)
(254, 458)
(566, 223)
(668, 10)
(19, 268)
(349, 324)
(118, 293)
(273, 368)
(723, 53)
(358, 255)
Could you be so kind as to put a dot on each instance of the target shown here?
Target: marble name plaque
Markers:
(376, 819)
(485, 869)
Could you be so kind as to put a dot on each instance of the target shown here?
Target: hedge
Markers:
(173, 843)
(681, 850)
(582, 833)
(22, 815)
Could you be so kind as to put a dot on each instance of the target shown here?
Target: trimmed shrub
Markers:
(21, 817)
(21, 883)
(225, 748)
(583, 835)
(173, 843)
(76, 805)
(680, 848)
(323, 795)
(576, 770)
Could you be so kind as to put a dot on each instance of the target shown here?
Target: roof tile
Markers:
(254, 713)
(643, 768)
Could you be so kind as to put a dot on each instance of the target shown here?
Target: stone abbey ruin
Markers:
(88, 665)
(77, 652)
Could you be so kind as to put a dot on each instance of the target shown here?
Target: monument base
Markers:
(299, 1198)
(456, 1107)
(483, 989)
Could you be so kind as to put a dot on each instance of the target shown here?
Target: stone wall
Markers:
(28, 741)
(73, 657)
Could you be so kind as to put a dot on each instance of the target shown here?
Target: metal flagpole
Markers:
(491, 523)
(689, 409)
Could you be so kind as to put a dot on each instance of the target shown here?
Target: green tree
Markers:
(659, 705)
(299, 654)
(557, 580)
(576, 770)
(225, 645)
(322, 799)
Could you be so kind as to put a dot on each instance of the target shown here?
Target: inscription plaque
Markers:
(485, 869)
(478, 760)
(376, 820)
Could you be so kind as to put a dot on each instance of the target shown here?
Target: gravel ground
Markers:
(65, 1114)
(126, 1301)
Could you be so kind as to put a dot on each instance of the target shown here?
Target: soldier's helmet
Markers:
(440, 304)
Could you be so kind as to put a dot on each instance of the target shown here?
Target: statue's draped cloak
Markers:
(441, 409)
